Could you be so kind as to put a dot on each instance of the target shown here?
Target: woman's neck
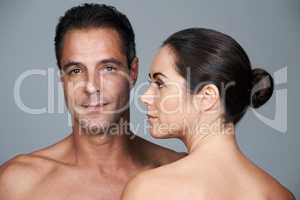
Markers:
(211, 137)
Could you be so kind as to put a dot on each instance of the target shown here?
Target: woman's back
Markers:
(204, 175)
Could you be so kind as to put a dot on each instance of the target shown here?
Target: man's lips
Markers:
(94, 105)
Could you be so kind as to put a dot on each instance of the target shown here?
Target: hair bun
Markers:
(262, 87)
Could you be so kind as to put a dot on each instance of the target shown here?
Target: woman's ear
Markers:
(134, 69)
(207, 98)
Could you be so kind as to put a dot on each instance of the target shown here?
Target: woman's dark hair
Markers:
(96, 16)
(207, 56)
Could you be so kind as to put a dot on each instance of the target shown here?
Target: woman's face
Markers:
(169, 104)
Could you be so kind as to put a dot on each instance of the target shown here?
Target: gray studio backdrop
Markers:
(268, 30)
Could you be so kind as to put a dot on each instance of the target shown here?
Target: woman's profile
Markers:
(201, 84)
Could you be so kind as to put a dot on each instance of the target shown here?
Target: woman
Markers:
(201, 84)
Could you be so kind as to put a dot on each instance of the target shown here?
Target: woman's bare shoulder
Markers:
(272, 189)
(265, 184)
(152, 184)
(178, 181)
(160, 183)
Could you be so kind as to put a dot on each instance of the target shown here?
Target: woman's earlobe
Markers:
(210, 97)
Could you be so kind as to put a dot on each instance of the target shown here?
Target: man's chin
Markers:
(94, 126)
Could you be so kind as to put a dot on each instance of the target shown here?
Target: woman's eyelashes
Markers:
(158, 82)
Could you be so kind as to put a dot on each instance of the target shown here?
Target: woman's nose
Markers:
(147, 98)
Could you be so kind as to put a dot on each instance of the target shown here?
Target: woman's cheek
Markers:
(170, 104)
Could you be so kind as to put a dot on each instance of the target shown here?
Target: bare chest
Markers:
(77, 186)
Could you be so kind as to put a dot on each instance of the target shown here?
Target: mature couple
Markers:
(201, 84)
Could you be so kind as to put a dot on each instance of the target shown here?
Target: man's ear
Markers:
(207, 98)
(61, 75)
(134, 69)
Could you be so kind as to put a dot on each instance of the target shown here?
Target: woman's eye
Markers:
(159, 83)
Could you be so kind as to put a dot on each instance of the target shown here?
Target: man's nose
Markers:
(93, 83)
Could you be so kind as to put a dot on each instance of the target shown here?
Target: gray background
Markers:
(268, 30)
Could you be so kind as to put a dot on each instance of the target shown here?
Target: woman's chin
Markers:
(159, 134)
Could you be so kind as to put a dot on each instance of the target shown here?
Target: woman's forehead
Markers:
(164, 62)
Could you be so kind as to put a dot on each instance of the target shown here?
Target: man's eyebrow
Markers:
(111, 60)
(69, 64)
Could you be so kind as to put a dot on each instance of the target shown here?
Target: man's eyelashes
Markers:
(79, 70)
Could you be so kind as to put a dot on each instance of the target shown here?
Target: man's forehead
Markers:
(92, 37)
(94, 43)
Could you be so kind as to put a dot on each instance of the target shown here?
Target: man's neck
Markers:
(110, 151)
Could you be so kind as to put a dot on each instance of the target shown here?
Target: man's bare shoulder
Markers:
(22, 165)
(22, 173)
(19, 175)
(158, 153)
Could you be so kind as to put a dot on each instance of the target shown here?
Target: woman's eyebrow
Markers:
(154, 75)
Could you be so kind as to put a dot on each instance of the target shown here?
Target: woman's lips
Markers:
(151, 116)
(151, 119)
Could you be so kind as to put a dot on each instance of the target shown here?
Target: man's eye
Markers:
(75, 71)
(109, 68)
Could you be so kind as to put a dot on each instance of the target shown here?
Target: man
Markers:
(95, 52)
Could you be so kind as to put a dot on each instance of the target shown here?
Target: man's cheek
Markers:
(73, 98)
(117, 81)
(116, 87)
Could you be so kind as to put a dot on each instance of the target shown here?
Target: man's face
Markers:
(95, 77)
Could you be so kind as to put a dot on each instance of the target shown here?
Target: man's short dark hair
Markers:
(96, 16)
